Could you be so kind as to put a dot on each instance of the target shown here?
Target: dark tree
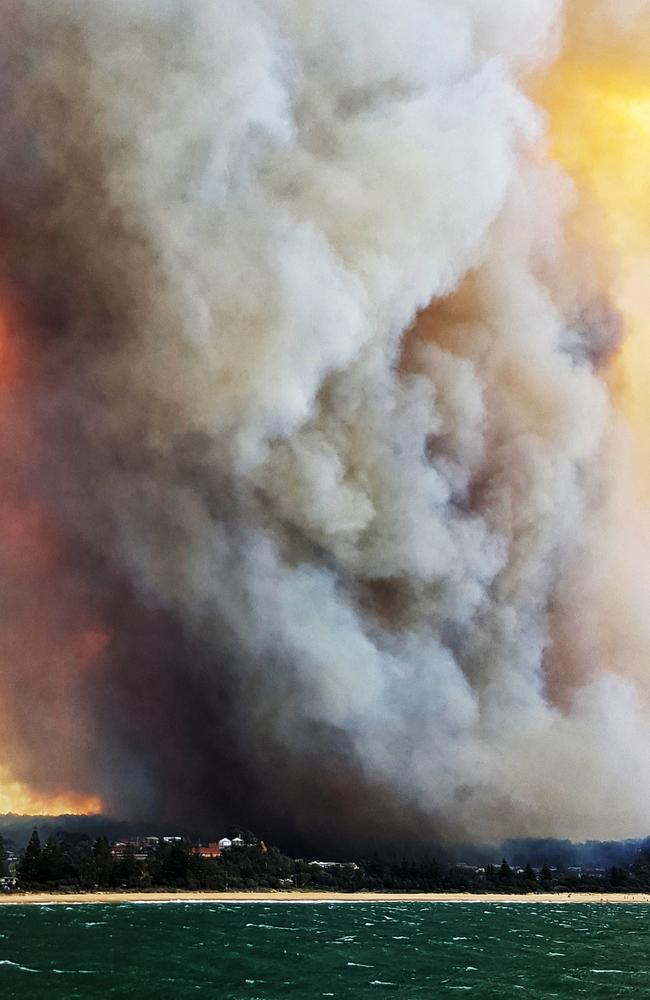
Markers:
(51, 868)
(617, 877)
(505, 873)
(128, 870)
(29, 867)
(529, 874)
(103, 861)
(545, 876)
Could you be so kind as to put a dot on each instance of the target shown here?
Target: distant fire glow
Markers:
(53, 648)
(23, 801)
(600, 132)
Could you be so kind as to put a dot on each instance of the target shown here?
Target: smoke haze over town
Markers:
(324, 500)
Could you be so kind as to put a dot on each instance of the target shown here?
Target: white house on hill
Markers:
(225, 843)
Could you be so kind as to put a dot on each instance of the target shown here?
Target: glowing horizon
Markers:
(20, 800)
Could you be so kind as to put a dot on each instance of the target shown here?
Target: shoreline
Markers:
(185, 896)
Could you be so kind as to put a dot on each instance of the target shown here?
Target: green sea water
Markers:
(307, 951)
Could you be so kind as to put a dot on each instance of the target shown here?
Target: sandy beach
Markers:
(46, 898)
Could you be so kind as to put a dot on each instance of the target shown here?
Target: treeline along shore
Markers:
(70, 862)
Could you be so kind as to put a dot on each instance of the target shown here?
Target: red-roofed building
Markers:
(211, 851)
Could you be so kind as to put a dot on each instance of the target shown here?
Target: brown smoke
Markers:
(314, 346)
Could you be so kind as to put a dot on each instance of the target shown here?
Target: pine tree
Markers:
(51, 868)
(177, 864)
(545, 875)
(103, 861)
(127, 871)
(617, 877)
(505, 872)
(529, 874)
(29, 868)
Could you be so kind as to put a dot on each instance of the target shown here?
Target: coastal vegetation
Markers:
(75, 862)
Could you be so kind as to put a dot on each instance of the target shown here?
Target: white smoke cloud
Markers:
(315, 353)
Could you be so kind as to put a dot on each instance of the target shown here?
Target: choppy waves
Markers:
(271, 951)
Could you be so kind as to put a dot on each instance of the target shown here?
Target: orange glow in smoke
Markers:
(27, 540)
(5, 349)
(8, 354)
(51, 647)
(600, 130)
(92, 644)
(17, 798)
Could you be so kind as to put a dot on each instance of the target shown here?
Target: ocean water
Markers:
(257, 951)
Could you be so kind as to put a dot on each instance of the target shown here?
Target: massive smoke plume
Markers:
(315, 504)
